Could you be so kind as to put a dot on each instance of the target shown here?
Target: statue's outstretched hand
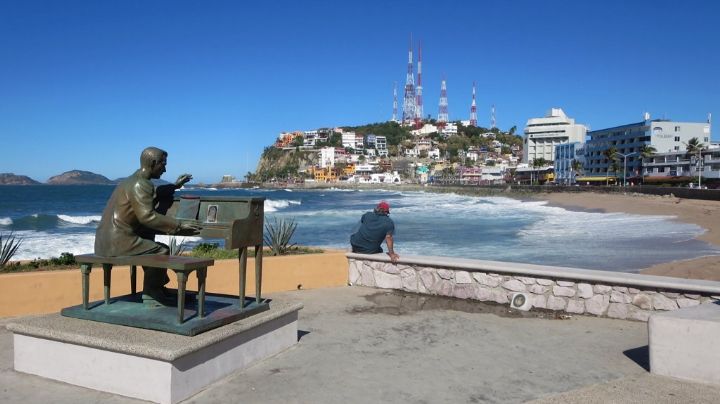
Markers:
(188, 228)
(183, 179)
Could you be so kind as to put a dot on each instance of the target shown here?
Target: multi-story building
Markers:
(680, 164)
(450, 129)
(424, 144)
(565, 155)
(381, 145)
(665, 136)
(349, 140)
(327, 157)
(359, 142)
(543, 134)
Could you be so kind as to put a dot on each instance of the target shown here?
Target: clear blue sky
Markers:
(88, 84)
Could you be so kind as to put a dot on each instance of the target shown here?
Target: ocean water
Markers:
(56, 219)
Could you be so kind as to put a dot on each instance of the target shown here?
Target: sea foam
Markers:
(6, 221)
(79, 219)
(274, 205)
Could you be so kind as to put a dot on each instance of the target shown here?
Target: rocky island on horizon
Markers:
(72, 177)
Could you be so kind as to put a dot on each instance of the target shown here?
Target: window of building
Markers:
(706, 139)
(677, 129)
(677, 148)
(677, 139)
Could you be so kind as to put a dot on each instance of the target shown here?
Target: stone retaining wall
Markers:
(570, 290)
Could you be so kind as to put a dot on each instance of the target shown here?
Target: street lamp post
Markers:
(625, 156)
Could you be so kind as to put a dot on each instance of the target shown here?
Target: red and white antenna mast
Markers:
(473, 109)
(409, 99)
(394, 116)
(443, 109)
(419, 100)
(493, 124)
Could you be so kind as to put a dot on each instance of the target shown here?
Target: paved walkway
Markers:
(361, 345)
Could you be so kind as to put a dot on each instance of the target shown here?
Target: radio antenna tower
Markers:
(443, 110)
(419, 100)
(473, 109)
(394, 116)
(409, 99)
(492, 117)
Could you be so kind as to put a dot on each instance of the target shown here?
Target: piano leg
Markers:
(258, 272)
(242, 257)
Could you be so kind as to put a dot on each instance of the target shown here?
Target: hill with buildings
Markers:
(389, 151)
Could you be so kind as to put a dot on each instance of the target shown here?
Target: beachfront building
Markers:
(680, 164)
(568, 156)
(543, 134)
(665, 136)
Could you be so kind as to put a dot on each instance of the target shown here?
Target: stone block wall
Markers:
(578, 296)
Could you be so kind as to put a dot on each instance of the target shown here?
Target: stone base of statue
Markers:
(147, 364)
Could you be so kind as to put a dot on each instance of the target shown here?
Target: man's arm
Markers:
(391, 252)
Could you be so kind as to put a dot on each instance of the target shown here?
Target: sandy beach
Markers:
(705, 214)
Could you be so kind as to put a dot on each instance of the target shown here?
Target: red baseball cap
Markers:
(384, 206)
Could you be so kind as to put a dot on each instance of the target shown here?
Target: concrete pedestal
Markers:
(146, 364)
(684, 343)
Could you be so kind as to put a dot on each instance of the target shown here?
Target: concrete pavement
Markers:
(361, 345)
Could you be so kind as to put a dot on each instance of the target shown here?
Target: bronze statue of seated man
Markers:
(135, 214)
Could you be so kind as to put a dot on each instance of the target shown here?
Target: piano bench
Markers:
(182, 266)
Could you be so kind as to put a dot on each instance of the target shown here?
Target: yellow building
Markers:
(325, 174)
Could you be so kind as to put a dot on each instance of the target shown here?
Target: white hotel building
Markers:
(543, 134)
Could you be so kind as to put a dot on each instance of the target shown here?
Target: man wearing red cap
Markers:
(375, 227)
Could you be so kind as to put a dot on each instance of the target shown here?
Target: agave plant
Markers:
(278, 234)
(175, 247)
(9, 245)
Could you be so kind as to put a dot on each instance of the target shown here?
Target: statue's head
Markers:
(153, 161)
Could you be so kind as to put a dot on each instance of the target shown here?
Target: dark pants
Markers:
(155, 278)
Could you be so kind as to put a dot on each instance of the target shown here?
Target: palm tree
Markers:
(577, 167)
(537, 163)
(615, 167)
(610, 156)
(695, 147)
(646, 152)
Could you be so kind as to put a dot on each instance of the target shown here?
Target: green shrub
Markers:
(278, 234)
(65, 258)
(9, 245)
(212, 250)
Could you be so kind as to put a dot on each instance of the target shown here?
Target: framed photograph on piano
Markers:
(212, 212)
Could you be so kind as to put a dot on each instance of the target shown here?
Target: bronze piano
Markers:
(239, 221)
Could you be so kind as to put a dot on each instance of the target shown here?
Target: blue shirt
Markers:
(373, 229)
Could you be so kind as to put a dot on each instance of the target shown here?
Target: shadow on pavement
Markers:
(640, 355)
